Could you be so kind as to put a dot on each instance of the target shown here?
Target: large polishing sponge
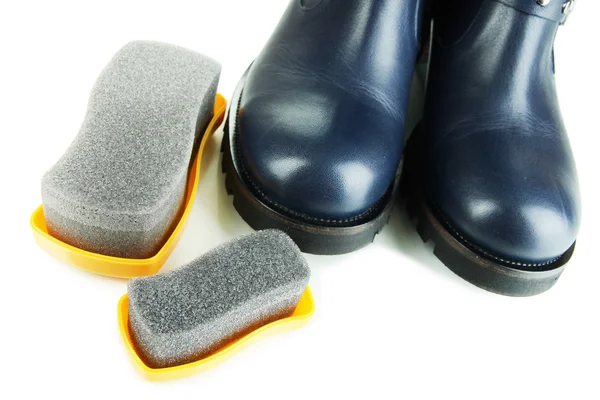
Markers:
(184, 315)
(119, 187)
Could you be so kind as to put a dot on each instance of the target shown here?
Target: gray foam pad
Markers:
(186, 314)
(119, 187)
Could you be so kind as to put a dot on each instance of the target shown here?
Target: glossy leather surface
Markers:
(500, 170)
(321, 122)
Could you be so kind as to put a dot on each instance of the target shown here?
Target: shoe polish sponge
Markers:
(184, 315)
(119, 187)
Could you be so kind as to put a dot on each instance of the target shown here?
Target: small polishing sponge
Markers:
(184, 315)
(119, 187)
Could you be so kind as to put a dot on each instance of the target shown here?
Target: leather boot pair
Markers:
(315, 134)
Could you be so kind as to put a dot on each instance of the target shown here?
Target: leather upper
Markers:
(322, 112)
(500, 172)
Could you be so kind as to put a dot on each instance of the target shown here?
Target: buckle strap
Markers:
(554, 10)
(568, 7)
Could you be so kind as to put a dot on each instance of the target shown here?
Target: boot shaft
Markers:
(495, 52)
(349, 37)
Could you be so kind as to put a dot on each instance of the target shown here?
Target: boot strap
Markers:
(554, 10)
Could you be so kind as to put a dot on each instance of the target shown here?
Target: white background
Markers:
(392, 321)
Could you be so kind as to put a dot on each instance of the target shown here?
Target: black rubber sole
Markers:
(470, 265)
(310, 238)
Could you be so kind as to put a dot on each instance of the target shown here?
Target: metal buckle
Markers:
(568, 7)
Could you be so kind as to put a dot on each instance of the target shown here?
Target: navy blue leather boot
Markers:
(315, 132)
(490, 170)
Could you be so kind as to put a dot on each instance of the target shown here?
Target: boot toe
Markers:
(510, 205)
(316, 156)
